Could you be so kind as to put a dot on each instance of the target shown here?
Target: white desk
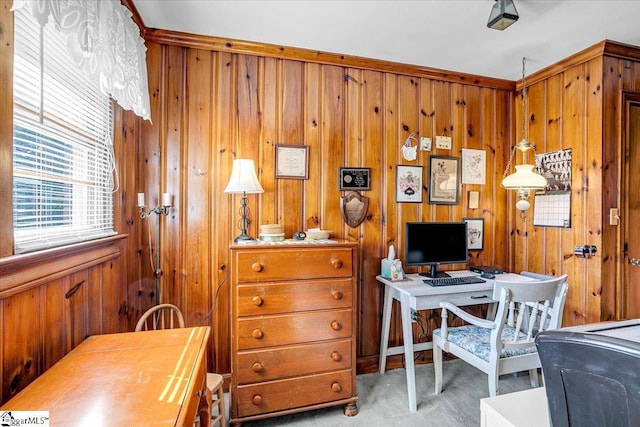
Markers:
(414, 294)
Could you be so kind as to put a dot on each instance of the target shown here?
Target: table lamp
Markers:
(243, 181)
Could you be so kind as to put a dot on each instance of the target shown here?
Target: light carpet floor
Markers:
(382, 400)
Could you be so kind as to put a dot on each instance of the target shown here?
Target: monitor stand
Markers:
(433, 272)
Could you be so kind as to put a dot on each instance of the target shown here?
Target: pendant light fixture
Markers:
(502, 15)
(524, 179)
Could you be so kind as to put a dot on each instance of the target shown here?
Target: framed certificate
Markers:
(354, 179)
(292, 161)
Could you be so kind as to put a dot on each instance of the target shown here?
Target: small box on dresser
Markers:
(293, 328)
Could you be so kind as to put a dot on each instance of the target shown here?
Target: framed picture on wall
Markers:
(409, 184)
(292, 161)
(444, 180)
(475, 233)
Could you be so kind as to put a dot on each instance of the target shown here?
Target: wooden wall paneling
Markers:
(443, 108)
(22, 354)
(76, 308)
(196, 231)
(332, 144)
(353, 146)
(313, 131)
(592, 218)
(3, 342)
(611, 251)
(486, 204)
(177, 171)
(95, 298)
(503, 210)
(114, 315)
(143, 287)
(294, 191)
(54, 319)
(6, 126)
(270, 114)
(370, 297)
(574, 133)
(222, 207)
(552, 120)
(534, 122)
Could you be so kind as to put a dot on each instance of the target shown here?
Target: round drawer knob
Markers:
(336, 295)
(336, 263)
(257, 267)
(257, 300)
(257, 399)
(336, 387)
(257, 367)
(336, 356)
(257, 334)
(336, 326)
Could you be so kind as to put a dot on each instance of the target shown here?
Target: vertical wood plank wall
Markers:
(210, 106)
(213, 101)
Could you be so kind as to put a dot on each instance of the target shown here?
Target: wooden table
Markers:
(154, 378)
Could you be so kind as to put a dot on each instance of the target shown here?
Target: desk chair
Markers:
(590, 379)
(506, 343)
(168, 316)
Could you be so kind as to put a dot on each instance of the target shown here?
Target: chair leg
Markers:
(493, 382)
(437, 366)
(534, 378)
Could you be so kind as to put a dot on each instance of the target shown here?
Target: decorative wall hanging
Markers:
(552, 207)
(409, 184)
(443, 179)
(473, 166)
(354, 179)
(292, 161)
(475, 233)
(410, 152)
(353, 208)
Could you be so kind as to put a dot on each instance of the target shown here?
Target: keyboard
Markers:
(451, 281)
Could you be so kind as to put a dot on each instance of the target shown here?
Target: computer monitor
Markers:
(435, 243)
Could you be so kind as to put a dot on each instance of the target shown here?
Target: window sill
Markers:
(21, 272)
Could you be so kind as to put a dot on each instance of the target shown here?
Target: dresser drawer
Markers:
(292, 263)
(293, 393)
(256, 332)
(283, 297)
(292, 361)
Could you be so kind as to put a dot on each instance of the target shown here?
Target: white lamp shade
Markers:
(243, 178)
(524, 178)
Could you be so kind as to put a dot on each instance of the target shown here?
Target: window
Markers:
(62, 144)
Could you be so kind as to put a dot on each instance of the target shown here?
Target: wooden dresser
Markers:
(293, 328)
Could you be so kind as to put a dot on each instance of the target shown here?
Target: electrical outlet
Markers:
(425, 143)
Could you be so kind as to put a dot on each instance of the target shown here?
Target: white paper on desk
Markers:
(512, 277)
(461, 273)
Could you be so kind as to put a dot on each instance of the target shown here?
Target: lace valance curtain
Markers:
(105, 42)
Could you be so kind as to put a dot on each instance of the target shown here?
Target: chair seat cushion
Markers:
(475, 339)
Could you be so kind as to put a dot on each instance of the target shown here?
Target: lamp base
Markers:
(243, 238)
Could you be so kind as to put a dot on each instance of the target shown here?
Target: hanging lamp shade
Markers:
(502, 15)
(524, 178)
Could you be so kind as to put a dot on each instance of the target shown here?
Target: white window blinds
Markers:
(62, 144)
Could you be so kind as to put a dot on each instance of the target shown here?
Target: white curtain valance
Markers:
(106, 44)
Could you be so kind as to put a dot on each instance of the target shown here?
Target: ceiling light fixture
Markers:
(502, 15)
(524, 179)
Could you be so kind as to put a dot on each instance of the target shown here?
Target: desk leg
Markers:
(386, 324)
(407, 335)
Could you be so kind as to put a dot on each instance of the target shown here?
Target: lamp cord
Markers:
(524, 98)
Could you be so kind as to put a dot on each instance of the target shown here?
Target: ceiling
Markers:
(445, 34)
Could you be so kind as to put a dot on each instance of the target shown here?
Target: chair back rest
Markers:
(590, 379)
(162, 316)
(529, 308)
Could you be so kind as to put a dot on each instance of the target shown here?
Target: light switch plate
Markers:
(425, 143)
(443, 142)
